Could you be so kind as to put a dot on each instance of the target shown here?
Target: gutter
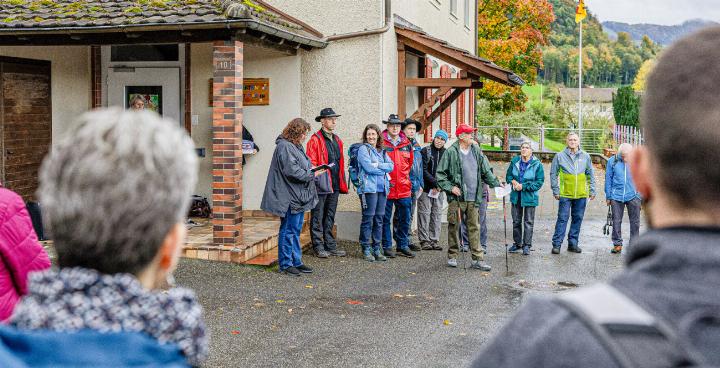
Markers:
(147, 27)
(367, 32)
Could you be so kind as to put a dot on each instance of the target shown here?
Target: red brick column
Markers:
(95, 77)
(227, 142)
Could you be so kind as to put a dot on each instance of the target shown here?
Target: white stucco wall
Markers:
(264, 122)
(69, 80)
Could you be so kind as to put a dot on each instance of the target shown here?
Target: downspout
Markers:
(367, 32)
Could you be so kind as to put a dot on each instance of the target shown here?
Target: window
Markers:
(467, 14)
(453, 7)
(145, 53)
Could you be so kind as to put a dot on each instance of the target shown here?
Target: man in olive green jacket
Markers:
(572, 182)
(461, 173)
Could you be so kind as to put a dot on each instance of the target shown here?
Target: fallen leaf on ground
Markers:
(485, 274)
(398, 296)
(280, 301)
(447, 322)
(258, 305)
(354, 302)
(290, 310)
(235, 332)
(308, 286)
(413, 273)
(411, 295)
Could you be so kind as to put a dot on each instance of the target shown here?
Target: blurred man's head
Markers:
(625, 150)
(678, 171)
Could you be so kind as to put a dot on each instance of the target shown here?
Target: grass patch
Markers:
(487, 147)
(554, 146)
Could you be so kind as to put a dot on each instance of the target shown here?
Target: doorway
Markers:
(158, 86)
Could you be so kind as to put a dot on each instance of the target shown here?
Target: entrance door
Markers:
(25, 122)
(160, 87)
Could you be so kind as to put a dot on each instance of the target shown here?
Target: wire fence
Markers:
(543, 139)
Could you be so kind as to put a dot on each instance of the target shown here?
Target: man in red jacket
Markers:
(325, 147)
(400, 151)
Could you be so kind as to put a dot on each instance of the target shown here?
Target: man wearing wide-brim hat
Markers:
(325, 147)
(400, 151)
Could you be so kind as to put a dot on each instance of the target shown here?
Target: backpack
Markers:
(199, 207)
(354, 169)
(637, 337)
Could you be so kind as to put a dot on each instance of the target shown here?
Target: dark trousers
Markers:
(402, 232)
(574, 208)
(322, 219)
(523, 220)
(289, 252)
(371, 226)
(618, 208)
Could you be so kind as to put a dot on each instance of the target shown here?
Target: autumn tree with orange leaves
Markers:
(510, 33)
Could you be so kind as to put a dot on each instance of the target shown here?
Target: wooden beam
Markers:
(419, 114)
(401, 81)
(442, 82)
(445, 104)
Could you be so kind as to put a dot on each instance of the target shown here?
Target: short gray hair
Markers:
(113, 187)
(680, 115)
(526, 143)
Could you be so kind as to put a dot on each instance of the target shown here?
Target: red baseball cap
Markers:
(464, 128)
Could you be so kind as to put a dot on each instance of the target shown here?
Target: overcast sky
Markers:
(668, 12)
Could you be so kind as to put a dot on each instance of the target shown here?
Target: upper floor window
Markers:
(453, 8)
(467, 13)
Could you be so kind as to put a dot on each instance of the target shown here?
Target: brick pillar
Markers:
(95, 77)
(227, 142)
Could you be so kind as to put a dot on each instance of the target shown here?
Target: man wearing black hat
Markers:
(410, 127)
(325, 147)
(400, 151)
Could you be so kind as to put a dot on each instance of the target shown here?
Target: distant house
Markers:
(596, 101)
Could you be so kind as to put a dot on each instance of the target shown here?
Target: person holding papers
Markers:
(526, 175)
(461, 173)
(430, 203)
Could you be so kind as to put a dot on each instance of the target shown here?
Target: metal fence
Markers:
(542, 139)
(628, 134)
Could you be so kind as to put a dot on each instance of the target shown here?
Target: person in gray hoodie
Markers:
(673, 270)
(289, 192)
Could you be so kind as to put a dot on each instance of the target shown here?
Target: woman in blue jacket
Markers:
(374, 187)
(526, 174)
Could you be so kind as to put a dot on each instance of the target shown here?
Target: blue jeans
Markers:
(289, 252)
(402, 234)
(574, 208)
(371, 227)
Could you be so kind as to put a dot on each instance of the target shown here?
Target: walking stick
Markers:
(460, 241)
(507, 268)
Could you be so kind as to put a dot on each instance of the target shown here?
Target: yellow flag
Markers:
(580, 12)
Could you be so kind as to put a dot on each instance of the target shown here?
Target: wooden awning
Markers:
(472, 70)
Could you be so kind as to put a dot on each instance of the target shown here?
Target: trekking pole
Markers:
(507, 268)
(460, 239)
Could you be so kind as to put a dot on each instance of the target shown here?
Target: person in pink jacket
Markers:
(20, 251)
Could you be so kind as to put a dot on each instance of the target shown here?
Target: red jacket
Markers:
(317, 151)
(20, 252)
(402, 157)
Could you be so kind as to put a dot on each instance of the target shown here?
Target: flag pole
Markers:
(580, 124)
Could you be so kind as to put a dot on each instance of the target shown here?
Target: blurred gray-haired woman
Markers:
(115, 194)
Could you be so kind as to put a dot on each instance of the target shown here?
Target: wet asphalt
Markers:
(400, 313)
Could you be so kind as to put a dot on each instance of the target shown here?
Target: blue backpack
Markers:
(354, 166)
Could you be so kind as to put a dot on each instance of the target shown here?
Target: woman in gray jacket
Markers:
(289, 192)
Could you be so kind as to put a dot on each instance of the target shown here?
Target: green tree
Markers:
(626, 107)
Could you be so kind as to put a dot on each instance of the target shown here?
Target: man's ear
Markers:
(171, 246)
(640, 168)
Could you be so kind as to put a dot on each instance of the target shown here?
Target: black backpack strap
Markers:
(633, 336)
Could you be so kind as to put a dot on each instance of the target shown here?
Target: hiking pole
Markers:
(507, 268)
(460, 238)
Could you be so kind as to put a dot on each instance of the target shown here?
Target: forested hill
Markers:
(663, 35)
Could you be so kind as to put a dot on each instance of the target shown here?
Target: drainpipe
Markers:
(367, 32)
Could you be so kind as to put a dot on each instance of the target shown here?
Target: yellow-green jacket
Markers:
(571, 176)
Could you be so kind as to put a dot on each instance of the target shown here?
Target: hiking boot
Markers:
(292, 271)
(526, 250)
(480, 265)
(379, 255)
(556, 250)
(369, 257)
(415, 248)
(574, 249)
(389, 253)
(616, 249)
(405, 252)
(427, 246)
(337, 252)
(437, 246)
(452, 262)
(514, 249)
(322, 254)
(304, 269)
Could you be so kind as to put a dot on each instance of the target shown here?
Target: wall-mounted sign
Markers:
(256, 92)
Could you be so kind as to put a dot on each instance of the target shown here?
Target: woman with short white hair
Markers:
(115, 192)
(526, 174)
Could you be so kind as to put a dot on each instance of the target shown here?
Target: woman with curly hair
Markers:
(289, 192)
